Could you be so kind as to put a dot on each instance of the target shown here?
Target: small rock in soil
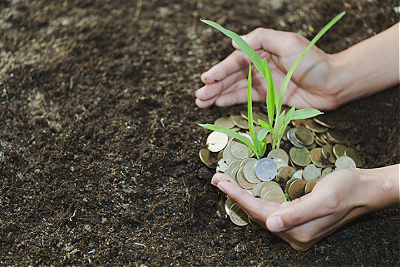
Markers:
(204, 173)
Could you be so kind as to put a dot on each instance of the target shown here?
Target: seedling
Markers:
(274, 102)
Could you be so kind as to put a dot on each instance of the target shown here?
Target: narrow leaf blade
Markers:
(306, 113)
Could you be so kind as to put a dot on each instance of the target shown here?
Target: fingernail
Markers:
(275, 224)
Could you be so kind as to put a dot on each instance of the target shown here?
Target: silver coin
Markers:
(298, 174)
(292, 139)
(280, 163)
(257, 188)
(217, 141)
(326, 171)
(311, 172)
(221, 166)
(345, 162)
(266, 169)
(227, 155)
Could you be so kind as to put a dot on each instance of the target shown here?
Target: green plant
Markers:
(277, 127)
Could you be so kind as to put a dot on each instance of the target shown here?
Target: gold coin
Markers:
(228, 204)
(244, 115)
(220, 155)
(327, 152)
(275, 195)
(320, 140)
(338, 150)
(243, 162)
(239, 150)
(233, 168)
(217, 141)
(310, 185)
(326, 171)
(284, 136)
(250, 173)
(323, 122)
(227, 155)
(280, 163)
(315, 127)
(238, 216)
(299, 122)
(226, 121)
(336, 136)
(311, 172)
(303, 135)
(286, 173)
(350, 152)
(208, 158)
(257, 189)
(240, 122)
(278, 153)
(315, 156)
(242, 181)
(300, 156)
(312, 146)
(297, 167)
(296, 189)
(345, 162)
(290, 182)
(267, 186)
(260, 116)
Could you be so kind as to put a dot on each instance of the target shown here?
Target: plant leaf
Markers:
(241, 43)
(265, 125)
(250, 111)
(306, 113)
(289, 116)
(313, 41)
(231, 133)
(262, 134)
(271, 93)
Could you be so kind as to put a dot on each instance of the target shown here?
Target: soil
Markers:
(99, 141)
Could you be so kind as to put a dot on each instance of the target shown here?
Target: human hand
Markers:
(334, 201)
(310, 86)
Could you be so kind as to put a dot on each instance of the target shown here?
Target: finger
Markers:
(237, 95)
(211, 90)
(206, 103)
(266, 39)
(233, 63)
(307, 209)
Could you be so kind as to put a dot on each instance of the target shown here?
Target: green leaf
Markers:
(289, 116)
(250, 110)
(265, 124)
(291, 70)
(262, 134)
(231, 133)
(271, 93)
(306, 113)
(241, 43)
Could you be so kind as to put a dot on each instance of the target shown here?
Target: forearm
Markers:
(379, 188)
(367, 67)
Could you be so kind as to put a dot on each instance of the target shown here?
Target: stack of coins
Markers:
(317, 150)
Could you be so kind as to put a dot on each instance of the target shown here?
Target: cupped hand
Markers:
(334, 201)
(310, 86)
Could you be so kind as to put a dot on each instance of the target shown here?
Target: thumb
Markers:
(299, 212)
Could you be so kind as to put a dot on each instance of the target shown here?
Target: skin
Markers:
(321, 81)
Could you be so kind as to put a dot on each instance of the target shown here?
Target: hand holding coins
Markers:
(279, 176)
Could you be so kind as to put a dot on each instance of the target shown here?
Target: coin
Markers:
(228, 204)
(271, 185)
(284, 135)
(345, 162)
(311, 172)
(226, 121)
(300, 156)
(296, 189)
(233, 168)
(239, 150)
(244, 115)
(297, 167)
(297, 174)
(315, 156)
(249, 171)
(280, 163)
(313, 145)
(260, 116)
(278, 153)
(320, 140)
(286, 173)
(303, 135)
(242, 181)
(338, 150)
(208, 158)
(336, 136)
(299, 122)
(240, 122)
(221, 166)
(322, 122)
(290, 182)
(266, 169)
(310, 185)
(244, 161)
(238, 216)
(290, 137)
(227, 155)
(327, 152)
(217, 141)
(315, 127)
(326, 171)
(275, 195)
(350, 152)
(257, 189)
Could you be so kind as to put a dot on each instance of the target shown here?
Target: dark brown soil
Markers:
(98, 134)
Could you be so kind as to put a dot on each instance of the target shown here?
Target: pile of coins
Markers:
(317, 150)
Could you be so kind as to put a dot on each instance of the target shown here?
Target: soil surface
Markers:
(99, 141)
